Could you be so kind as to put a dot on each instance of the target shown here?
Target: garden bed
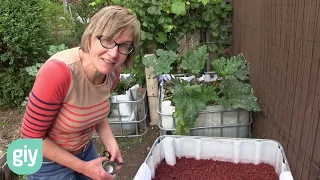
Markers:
(203, 169)
(203, 154)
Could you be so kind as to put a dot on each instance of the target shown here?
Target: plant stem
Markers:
(167, 98)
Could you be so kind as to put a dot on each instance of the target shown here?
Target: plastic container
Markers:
(217, 148)
(128, 114)
(212, 121)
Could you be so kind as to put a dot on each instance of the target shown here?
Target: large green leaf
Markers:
(161, 62)
(187, 106)
(235, 67)
(244, 69)
(178, 8)
(238, 95)
(161, 37)
(206, 16)
(209, 93)
(189, 101)
(194, 60)
(204, 2)
(54, 49)
(143, 35)
(153, 10)
(217, 9)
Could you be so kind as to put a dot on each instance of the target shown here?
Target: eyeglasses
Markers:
(109, 43)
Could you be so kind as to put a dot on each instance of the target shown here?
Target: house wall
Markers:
(281, 41)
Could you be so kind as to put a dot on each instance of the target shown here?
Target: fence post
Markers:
(152, 92)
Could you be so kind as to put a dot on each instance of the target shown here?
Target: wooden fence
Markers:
(281, 40)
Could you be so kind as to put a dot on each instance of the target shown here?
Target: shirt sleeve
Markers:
(45, 99)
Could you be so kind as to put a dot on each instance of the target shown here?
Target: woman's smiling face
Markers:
(107, 60)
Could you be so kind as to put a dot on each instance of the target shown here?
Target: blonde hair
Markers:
(111, 21)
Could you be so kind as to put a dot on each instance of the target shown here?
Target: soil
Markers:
(134, 149)
(10, 121)
(190, 169)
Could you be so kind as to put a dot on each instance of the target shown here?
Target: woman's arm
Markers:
(109, 141)
(105, 132)
(47, 95)
(57, 154)
(45, 99)
(92, 169)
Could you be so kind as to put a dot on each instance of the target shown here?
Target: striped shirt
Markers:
(64, 105)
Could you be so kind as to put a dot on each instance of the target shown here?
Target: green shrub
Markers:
(24, 33)
(59, 21)
(81, 13)
(62, 25)
(15, 85)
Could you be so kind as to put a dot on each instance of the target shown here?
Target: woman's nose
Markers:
(114, 52)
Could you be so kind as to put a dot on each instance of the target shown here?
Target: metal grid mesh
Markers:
(281, 40)
(134, 124)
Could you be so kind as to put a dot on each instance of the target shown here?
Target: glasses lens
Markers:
(108, 43)
(125, 48)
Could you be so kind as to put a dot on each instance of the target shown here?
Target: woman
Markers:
(70, 98)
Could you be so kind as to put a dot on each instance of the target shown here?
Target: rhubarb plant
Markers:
(235, 92)
(189, 100)
(232, 90)
(161, 63)
(237, 95)
(194, 60)
(234, 68)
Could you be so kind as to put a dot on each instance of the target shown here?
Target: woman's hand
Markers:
(95, 170)
(109, 142)
(116, 155)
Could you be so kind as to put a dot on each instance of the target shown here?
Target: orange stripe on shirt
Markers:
(81, 121)
(86, 108)
(85, 114)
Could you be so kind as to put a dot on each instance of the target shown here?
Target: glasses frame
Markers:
(115, 44)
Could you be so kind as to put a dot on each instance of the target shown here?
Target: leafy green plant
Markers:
(236, 94)
(137, 71)
(58, 20)
(54, 49)
(15, 85)
(164, 23)
(234, 68)
(61, 24)
(162, 62)
(33, 70)
(232, 90)
(189, 100)
(189, 63)
(123, 85)
(23, 33)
